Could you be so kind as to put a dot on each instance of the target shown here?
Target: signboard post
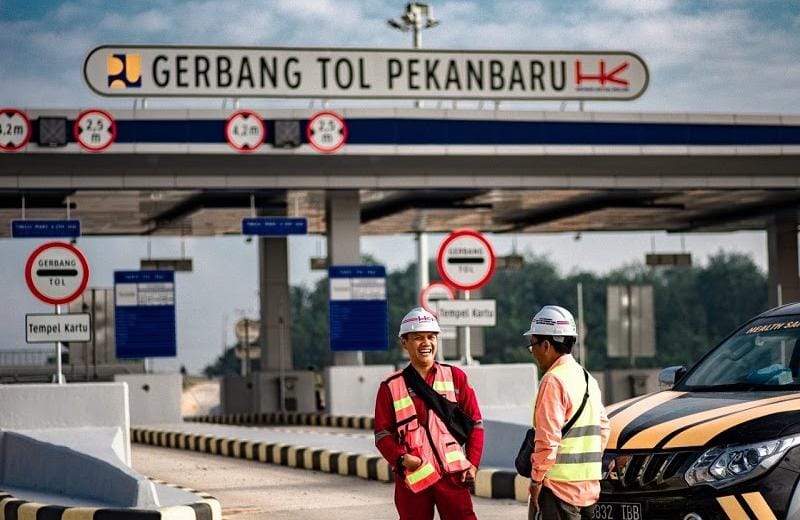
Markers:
(144, 314)
(57, 273)
(359, 312)
(247, 331)
(466, 261)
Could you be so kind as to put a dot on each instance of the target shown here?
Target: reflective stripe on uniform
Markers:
(420, 473)
(444, 386)
(405, 402)
(452, 456)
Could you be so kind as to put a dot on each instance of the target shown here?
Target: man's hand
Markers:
(468, 476)
(411, 462)
(534, 489)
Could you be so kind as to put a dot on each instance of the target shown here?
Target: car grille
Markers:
(645, 471)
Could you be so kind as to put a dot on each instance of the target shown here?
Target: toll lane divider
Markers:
(489, 483)
(362, 422)
(206, 508)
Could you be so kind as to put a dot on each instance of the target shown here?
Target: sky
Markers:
(732, 56)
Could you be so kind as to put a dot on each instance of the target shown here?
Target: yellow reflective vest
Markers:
(580, 454)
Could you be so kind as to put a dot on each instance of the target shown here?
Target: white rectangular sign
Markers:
(50, 328)
(467, 313)
(150, 70)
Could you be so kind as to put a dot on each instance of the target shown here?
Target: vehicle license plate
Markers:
(617, 511)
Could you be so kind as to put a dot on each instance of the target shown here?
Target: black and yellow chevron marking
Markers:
(621, 416)
(207, 508)
(362, 422)
(696, 429)
(748, 506)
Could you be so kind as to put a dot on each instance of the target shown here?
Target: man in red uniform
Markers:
(431, 468)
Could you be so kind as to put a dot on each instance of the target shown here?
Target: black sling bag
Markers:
(457, 421)
(523, 460)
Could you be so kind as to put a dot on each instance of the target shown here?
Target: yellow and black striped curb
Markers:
(371, 467)
(489, 483)
(207, 508)
(363, 422)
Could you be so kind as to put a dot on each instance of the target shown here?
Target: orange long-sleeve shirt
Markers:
(553, 409)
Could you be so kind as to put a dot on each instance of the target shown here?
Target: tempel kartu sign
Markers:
(149, 71)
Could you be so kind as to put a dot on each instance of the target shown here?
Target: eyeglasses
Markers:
(535, 342)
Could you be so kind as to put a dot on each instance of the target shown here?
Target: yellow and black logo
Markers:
(124, 70)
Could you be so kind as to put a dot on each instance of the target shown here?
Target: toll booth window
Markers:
(761, 355)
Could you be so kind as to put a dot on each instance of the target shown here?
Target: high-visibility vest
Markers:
(438, 449)
(580, 454)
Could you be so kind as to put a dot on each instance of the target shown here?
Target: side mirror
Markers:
(669, 376)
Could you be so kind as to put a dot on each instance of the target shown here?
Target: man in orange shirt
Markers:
(566, 468)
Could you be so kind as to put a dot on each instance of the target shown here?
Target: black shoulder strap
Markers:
(577, 414)
(433, 399)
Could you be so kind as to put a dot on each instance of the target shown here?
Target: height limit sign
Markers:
(466, 260)
(326, 132)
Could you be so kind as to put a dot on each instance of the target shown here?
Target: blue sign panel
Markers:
(144, 314)
(274, 226)
(35, 228)
(358, 312)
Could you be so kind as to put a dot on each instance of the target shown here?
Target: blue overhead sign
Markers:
(358, 311)
(274, 226)
(35, 228)
(144, 314)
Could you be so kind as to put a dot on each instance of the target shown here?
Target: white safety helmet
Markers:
(554, 321)
(418, 320)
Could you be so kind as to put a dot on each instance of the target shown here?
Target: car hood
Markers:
(674, 420)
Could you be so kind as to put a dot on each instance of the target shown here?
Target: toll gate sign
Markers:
(466, 260)
(358, 311)
(57, 273)
(144, 314)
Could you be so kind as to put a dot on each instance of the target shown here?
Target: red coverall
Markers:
(449, 494)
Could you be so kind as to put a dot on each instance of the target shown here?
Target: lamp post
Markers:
(418, 16)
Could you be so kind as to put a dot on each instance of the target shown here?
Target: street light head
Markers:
(397, 25)
(431, 23)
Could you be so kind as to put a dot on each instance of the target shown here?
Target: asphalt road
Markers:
(249, 490)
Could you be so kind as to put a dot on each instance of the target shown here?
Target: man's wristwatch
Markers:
(400, 460)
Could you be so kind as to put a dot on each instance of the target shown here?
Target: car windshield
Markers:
(763, 355)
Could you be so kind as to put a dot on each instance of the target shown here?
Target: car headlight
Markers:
(723, 466)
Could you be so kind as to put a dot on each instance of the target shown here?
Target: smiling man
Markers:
(432, 467)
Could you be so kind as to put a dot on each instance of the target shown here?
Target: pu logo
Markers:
(124, 71)
(602, 76)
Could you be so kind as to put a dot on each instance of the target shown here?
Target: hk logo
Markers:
(124, 71)
(603, 77)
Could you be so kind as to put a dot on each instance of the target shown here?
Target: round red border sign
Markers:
(423, 295)
(26, 132)
(469, 265)
(62, 293)
(245, 144)
(311, 132)
(107, 141)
